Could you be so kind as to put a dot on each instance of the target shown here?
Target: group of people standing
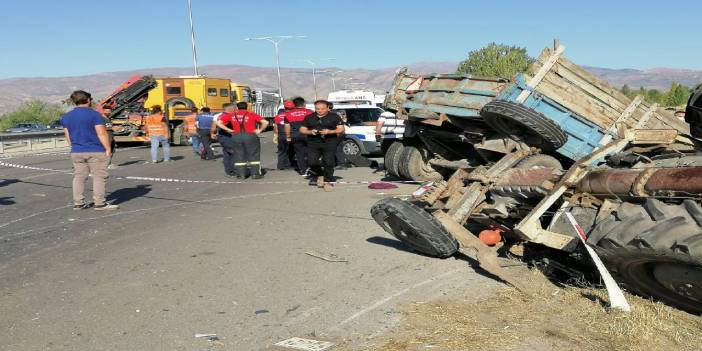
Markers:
(308, 140)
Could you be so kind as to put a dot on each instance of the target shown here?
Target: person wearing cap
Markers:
(244, 127)
(284, 149)
(293, 122)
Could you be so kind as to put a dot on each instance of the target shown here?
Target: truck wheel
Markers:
(414, 165)
(391, 158)
(522, 123)
(536, 161)
(655, 250)
(414, 227)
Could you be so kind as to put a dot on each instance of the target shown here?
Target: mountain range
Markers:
(296, 81)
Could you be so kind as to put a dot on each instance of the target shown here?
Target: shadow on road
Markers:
(126, 194)
(131, 162)
(395, 244)
(6, 182)
(7, 200)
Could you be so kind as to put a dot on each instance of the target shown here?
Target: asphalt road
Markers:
(182, 258)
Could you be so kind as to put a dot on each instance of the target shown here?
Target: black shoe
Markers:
(257, 176)
(81, 207)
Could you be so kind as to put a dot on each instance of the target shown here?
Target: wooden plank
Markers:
(654, 136)
(644, 119)
(541, 73)
(592, 89)
(612, 130)
(604, 86)
(575, 100)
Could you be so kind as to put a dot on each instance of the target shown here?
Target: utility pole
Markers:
(314, 72)
(192, 35)
(276, 40)
(333, 77)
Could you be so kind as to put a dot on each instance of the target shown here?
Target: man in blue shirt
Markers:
(204, 123)
(86, 133)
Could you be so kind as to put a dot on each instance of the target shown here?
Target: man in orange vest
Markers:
(190, 130)
(157, 131)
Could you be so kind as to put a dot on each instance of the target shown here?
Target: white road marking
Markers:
(388, 298)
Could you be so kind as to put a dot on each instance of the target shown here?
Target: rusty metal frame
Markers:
(530, 227)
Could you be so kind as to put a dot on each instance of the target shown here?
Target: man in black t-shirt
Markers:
(322, 129)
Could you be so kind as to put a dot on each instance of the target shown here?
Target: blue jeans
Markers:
(155, 140)
(195, 141)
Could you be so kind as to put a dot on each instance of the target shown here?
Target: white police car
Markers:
(361, 120)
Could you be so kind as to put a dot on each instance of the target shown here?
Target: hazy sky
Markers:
(69, 37)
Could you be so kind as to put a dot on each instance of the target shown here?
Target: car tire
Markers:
(415, 227)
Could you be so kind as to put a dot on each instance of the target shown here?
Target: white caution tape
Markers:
(616, 295)
(174, 180)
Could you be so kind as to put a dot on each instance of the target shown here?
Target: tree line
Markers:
(500, 60)
(32, 111)
(676, 96)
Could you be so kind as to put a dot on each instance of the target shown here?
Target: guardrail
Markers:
(32, 141)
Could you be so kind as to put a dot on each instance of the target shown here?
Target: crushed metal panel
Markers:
(305, 344)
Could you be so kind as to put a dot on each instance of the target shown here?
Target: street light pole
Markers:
(314, 73)
(192, 35)
(333, 77)
(276, 40)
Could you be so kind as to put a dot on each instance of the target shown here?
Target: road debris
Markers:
(305, 344)
(210, 337)
(326, 257)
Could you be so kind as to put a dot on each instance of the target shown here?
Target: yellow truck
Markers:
(127, 105)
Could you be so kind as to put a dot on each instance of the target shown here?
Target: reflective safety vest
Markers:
(189, 124)
(155, 125)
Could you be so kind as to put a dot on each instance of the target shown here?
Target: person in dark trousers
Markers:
(225, 139)
(293, 121)
(244, 127)
(204, 121)
(85, 132)
(322, 129)
(284, 152)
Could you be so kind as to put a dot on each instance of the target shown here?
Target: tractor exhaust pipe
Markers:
(643, 182)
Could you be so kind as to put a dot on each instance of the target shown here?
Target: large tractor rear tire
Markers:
(414, 165)
(522, 123)
(391, 158)
(656, 250)
(414, 227)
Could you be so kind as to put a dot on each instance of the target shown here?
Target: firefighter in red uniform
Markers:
(293, 122)
(284, 152)
(244, 126)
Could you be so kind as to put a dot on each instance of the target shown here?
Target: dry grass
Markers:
(555, 319)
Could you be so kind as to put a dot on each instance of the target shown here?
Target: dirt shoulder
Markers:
(554, 319)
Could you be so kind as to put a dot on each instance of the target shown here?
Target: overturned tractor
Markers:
(629, 174)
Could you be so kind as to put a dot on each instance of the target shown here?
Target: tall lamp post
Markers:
(192, 35)
(314, 72)
(345, 80)
(276, 40)
(333, 77)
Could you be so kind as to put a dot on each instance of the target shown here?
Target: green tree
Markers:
(626, 90)
(496, 60)
(677, 95)
(33, 111)
(654, 96)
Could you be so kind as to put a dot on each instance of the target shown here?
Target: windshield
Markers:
(358, 116)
